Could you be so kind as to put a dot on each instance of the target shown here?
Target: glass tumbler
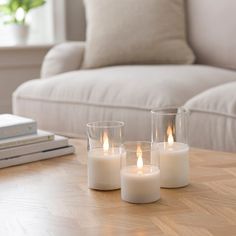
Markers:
(105, 150)
(170, 135)
(140, 174)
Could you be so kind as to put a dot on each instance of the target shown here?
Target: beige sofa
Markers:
(67, 97)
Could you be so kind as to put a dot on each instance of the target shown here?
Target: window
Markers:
(47, 24)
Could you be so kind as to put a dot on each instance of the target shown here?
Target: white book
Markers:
(36, 156)
(40, 136)
(13, 126)
(58, 142)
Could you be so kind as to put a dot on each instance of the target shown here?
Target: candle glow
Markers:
(170, 138)
(139, 154)
(105, 142)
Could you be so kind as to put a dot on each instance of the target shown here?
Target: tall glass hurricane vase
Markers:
(105, 150)
(170, 135)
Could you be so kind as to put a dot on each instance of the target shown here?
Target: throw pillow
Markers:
(123, 32)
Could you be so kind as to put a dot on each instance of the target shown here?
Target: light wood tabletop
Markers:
(52, 198)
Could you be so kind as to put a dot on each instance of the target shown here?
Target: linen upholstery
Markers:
(63, 57)
(212, 31)
(135, 32)
(66, 102)
(213, 118)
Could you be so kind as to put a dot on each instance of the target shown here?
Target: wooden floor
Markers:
(51, 198)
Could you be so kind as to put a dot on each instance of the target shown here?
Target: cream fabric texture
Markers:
(66, 102)
(212, 31)
(213, 118)
(63, 57)
(135, 32)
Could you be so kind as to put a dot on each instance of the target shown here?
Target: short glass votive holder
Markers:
(105, 150)
(140, 174)
(170, 135)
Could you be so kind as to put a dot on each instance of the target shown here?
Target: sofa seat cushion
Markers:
(213, 118)
(66, 102)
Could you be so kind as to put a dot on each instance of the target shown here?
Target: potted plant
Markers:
(15, 13)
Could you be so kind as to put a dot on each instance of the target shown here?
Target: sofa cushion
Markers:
(135, 32)
(66, 102)
(213, 118)
(212, 31)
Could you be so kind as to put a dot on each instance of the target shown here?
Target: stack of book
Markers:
(21, 142)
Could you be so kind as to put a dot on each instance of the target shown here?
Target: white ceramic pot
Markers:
(20, 33)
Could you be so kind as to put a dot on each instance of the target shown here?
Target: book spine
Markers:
(32, 148)
(18, 130)
(36, 157)
(26, 141)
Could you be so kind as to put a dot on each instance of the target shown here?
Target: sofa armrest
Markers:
(63, 57)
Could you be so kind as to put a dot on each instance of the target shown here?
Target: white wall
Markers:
(75, 17)
(17, 65)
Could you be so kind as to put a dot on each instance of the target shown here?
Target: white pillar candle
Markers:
(140, 183)
(174, 163)
(140, 187)
(104, 166)
(104, 169)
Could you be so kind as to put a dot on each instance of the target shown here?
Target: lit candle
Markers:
(104, 166)
(140, 183)
(174, 164)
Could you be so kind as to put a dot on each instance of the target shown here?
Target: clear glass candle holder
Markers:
(140, 174)
(105, 150)
(170, 135)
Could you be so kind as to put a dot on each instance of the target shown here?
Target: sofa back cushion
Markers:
(135, 32)
(212, 31)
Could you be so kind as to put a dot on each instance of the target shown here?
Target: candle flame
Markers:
(139, 154)
(105, 142)
(170, 138)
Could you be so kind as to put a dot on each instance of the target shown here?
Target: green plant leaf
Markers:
(4, 9)
(37, 3)
(26, 5)
(14, 5)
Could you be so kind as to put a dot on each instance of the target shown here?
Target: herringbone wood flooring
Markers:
(51, 198)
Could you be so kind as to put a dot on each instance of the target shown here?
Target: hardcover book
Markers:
(36, 156)
(13, 126)
(40, 136)
(57, 142)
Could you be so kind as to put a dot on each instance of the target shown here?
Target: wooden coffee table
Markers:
(51, 198)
